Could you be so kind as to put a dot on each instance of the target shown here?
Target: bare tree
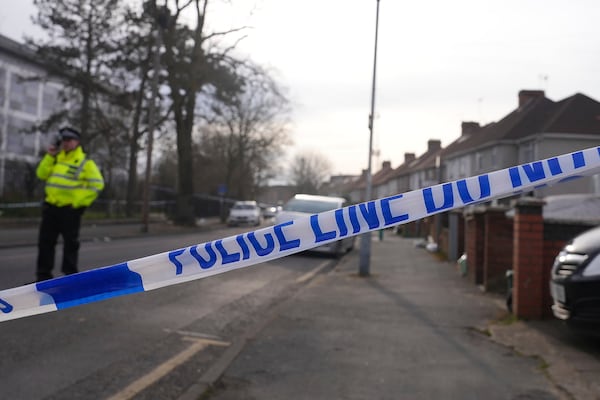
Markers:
(309, 170)
(193, 64)
(246, 134)
(135, 71)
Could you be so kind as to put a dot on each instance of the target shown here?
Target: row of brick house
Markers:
(538, 128)
(522, 233)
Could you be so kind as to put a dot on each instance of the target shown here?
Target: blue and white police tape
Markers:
(215, 257)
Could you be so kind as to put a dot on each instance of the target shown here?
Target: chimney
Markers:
(434, 144)
(525, 96)
(469, 127)
(386, 165)
(409, 157)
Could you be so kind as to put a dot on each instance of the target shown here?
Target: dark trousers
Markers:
(64, 221)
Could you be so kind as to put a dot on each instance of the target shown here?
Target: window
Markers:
(462, 167)
(527, 153)
(2, 86)
(428, 174)
(310, 206)
(243, 207)
(18, 140)
(50, 100)
(479, 161)
(23, 95)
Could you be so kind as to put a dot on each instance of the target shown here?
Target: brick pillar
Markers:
(474, 244)
(498, 249)
(528, 259)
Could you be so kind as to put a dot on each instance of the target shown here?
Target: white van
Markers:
(302, 205)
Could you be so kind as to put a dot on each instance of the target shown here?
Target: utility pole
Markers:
(365, 239)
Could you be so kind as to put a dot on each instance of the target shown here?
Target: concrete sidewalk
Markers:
(413, 329)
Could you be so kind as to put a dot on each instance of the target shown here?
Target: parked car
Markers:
(575, 281)
(302, 205)
(244, 212)
(270, 211)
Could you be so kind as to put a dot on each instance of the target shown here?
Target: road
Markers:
(149, 345)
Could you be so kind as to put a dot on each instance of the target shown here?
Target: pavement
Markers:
(347, 323)
(414, 328)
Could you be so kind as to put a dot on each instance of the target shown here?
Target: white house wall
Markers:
(552, 145)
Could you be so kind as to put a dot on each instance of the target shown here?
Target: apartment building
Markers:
(25, 100)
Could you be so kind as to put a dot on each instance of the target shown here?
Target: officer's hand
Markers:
(52, 150)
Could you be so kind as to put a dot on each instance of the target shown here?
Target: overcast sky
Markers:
(439, 63)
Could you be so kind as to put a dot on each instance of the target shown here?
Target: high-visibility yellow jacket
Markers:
(71, 178)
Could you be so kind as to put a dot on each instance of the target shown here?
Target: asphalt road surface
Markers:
(144, 346)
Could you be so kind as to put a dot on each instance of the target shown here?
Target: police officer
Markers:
(73, 182)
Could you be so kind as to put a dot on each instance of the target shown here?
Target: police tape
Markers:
(215, 257)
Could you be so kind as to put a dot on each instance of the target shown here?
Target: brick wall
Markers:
(474, 245)
(495, 243)
(498, 249)
(415, 229)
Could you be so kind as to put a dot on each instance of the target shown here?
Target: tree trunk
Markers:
(131, 176)
(184, 213)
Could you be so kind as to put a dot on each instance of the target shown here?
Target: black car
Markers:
(575, 281)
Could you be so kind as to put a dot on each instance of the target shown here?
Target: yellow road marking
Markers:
(163, 369)
(312, 273)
